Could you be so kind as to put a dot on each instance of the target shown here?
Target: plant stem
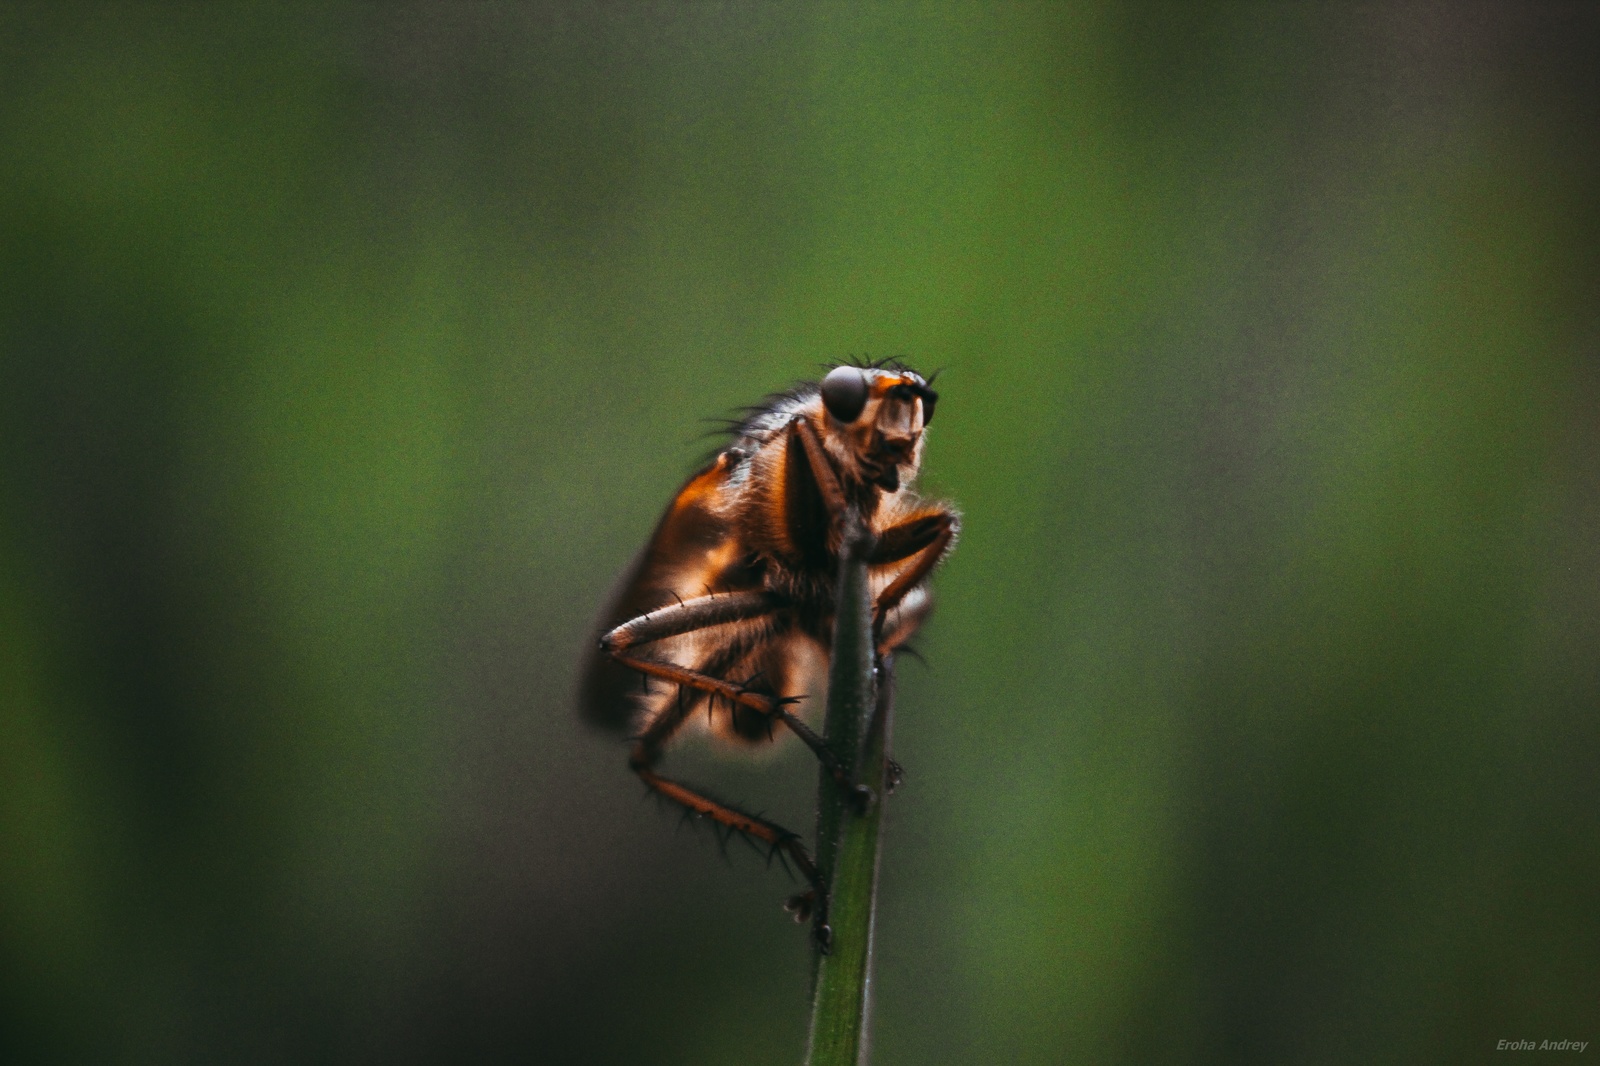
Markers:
(847, 841)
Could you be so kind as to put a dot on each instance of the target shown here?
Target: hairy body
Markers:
(733, 597)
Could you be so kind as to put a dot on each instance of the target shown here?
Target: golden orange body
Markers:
(725, 617)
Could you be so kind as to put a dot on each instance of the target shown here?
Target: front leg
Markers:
(925, 536)
(821, 470)
(817, 516)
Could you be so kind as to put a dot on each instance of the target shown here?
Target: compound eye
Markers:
(929, 398)
(844, 393)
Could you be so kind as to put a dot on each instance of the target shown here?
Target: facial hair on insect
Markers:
(728, 609)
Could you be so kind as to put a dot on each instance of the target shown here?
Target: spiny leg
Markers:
(687, 617)
(780, 841)
(860, 795)
(704, 612)
(701, 612)
(647, 753)
(682, 675)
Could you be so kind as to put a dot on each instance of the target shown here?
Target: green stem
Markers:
(848, 842)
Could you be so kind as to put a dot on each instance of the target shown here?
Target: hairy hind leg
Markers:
(703, 612)
(648, 747)
(778, 840)
(647, 752)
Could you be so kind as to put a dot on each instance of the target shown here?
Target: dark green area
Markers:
(346, 355)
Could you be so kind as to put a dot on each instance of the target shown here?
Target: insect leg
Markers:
(688, 616)
(860, 795)
(682, 675)
(908, 536)
(647, 752)
(700, 613)
(821, 468)
(930, 535)
(757, 701)
(927, 538)
(912, 611)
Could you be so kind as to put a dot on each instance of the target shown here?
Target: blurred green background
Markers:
(347, 353)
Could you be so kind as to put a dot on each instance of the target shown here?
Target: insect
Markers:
(725, 618)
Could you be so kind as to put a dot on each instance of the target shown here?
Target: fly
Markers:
(726, 615)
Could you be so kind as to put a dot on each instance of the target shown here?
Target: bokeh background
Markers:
(347, 353)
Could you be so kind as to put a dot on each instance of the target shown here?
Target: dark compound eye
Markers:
(844, 393)
(929, 398)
